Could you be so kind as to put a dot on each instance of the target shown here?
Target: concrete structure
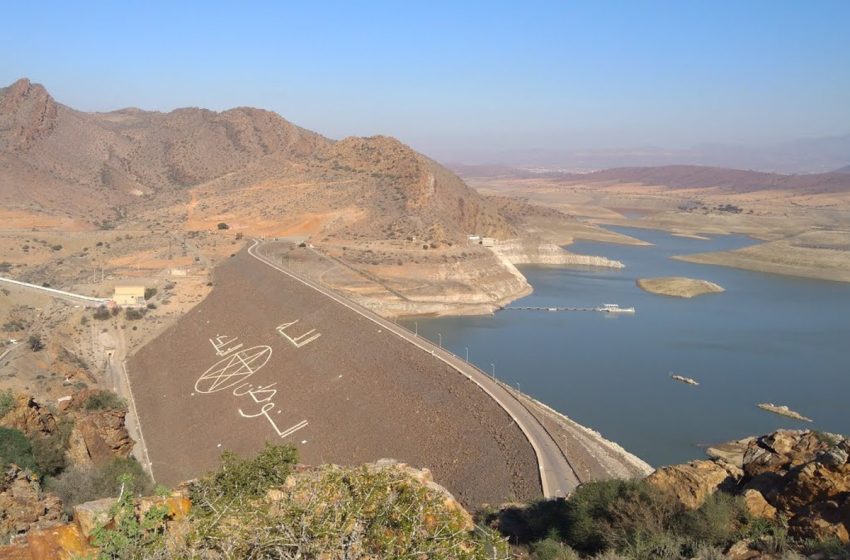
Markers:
(129, 296)
(488, 241)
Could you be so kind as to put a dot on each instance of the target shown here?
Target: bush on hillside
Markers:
(49, 451)
(330, 512)
(83, 484)
(638, 521)
(551, 548)
(102, 313)
(15, 448)
(104, 400)
(7, 402)
(134, 314)
(239, 479)
(35, 343)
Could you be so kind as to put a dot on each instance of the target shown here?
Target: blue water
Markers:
(768, 338)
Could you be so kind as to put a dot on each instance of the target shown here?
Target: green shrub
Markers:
(718, 522)
(35, 343)
(616, 514)
(150, 292)
(7, 402)
(551, 548)
(104, 400)
(102, 313)
(49, 451)
(337, 512)
(130, 535)
(83, 484)
(832, 548)
(15, 448)
(134, 314)
(238, 479)
(223, 225)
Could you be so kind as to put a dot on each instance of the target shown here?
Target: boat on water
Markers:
(683, 379)
(615, 308)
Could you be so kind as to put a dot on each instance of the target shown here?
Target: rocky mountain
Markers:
(247, 165)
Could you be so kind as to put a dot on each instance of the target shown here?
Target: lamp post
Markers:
(467, 353)
(440, 338)
(493, 369)
(517, 387)
(416, 327)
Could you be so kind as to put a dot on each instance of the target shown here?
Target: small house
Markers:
(128, 296)
(488, 241)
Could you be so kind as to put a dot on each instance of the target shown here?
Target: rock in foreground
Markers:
(801, 476)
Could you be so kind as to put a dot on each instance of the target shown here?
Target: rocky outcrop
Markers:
(693, 482)
(23, 507)
(29, 417)
(782, 450)
(801, 476)
(99, 436)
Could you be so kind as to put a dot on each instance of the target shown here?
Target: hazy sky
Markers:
(450, 77)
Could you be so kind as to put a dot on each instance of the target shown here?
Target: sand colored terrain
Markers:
(824, 255)
(677, 286)
(801, 220)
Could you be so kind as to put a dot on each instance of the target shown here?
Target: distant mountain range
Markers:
(815, 155)
(683, 177)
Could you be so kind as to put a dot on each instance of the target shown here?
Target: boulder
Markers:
(829, 519)
(22, 504)
(834, 457)
(91, 514)
(782, 450)
(63, 542)
(693, 482)
(742, 550)
(732, 452)
(813, 482)
(757, 505)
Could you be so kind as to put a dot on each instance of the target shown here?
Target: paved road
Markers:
(557, 477)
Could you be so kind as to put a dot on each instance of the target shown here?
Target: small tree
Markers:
(102, 313)
(35, 343)
(222, 225)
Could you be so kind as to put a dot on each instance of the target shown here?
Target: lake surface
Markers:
(768, 338)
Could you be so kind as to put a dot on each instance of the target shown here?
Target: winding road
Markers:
(557, 477)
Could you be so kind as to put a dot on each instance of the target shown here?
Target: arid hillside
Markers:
(247, 166)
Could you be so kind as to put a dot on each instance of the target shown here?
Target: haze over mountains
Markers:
(809, 155)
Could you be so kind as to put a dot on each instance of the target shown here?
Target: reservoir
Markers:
(768, 338)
